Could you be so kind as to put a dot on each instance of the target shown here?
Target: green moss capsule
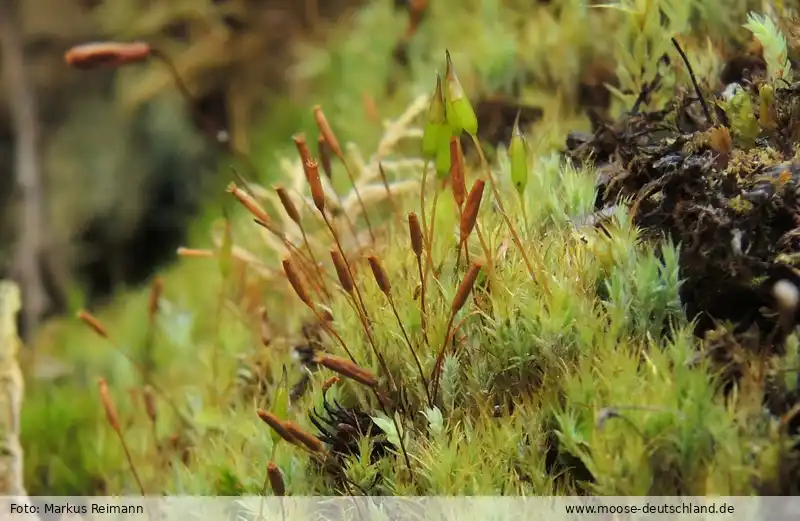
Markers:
(458, 109)
(443, 158)
(436, 123)
(518, 156)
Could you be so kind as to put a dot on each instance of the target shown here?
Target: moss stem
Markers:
(502, 210)
(411, 348)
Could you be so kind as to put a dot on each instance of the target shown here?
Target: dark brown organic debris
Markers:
(733, 208)
(342, 429)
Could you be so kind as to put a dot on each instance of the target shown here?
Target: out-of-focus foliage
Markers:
(126, 160)
(236, 50)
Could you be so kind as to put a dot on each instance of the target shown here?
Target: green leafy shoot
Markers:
(774, 45)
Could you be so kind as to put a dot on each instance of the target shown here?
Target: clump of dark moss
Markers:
(342, 429)
(732, 205)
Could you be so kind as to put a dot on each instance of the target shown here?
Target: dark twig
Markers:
(685, 59)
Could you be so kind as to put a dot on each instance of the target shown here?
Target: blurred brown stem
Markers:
(28, 177)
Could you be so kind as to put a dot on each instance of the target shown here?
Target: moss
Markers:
(570, 364)
(740, 205)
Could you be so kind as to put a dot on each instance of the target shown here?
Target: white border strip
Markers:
(399, 508)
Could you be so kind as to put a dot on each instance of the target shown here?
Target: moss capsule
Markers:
(518, 156)
(436, 123)
(459, 111)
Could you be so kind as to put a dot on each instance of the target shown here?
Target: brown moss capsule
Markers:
(276, 425)
(302, 147)
(106, 54)
(330, 382)
(341, 271)
(92, 321)
(288, 204)
(194, 252)
(326, 131)
(311, 170)
(457, 173)
(108, 405)
(415, 232)
(310, 441)
(248, 202)
(276, 479)
(297, 284)
(465, 288)
(324, 152)
(347, 369)
(380, 274)
(473, 205)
